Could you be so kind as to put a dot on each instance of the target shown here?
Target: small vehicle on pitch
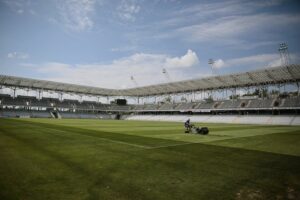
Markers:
(197, 130)
(191, 128)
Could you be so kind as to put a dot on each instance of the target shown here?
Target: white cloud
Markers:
(20, 11)
(20, 6)
(254, 61)
(211, 11)
(218, 64)
(76, 15)
(275, 63)
(233, 27)
(233, 22)
(145, 68)
(260, 60)
(293, 58)
(187, 60)
(124, 49)
(128, 9)
(51, 67)
(232, 7)
(18, 55)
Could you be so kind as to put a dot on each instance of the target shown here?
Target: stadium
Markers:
(226, 130)
(140, 151)
(262, 108)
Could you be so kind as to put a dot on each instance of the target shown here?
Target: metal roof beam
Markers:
(275, 75)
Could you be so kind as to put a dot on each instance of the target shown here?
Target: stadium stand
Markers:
(254, 103)
(119, 108)
(40, 114)
(250, 109)
(100, 106)
(267, 103)
(66, 104)
(232, 104)
(138, 107)
(166, 107)
(185, 106)
(24, 113)
(150, 107)
(69, 115)
(236, 119)
(85, 105)
(205, 105)
(293, 102)
(49, 102)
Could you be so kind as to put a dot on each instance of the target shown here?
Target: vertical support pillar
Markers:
(278, 89)
(39, 98)
(61, 96)
(193, 96)
(40, 94)
(14, 95)
(235, 92)
(298, 89)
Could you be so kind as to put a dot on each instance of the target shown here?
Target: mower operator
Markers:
(187, 125)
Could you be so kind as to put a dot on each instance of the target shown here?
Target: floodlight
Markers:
(134, 81)
(211, 61)
(165, 72)
(284, 53)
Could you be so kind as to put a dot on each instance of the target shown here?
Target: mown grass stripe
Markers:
(100, 138)
(138, 140)
(172, 145)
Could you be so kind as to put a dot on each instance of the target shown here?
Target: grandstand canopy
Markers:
(281, 74)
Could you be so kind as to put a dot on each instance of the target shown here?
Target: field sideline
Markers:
(98, 159)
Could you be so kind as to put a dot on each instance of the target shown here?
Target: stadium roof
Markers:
(275, 75)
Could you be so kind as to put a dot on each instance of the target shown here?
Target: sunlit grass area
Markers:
(102, 159)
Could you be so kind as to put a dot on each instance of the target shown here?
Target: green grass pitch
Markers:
(98, 159)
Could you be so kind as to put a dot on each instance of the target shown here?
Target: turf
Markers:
(94, 159)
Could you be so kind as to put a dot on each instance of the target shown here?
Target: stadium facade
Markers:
(210, 99)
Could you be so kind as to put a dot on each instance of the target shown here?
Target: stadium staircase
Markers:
(55, 114)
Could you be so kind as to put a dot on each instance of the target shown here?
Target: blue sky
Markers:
(105, 42)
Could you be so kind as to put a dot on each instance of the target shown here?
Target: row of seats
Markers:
(235, 119)
(47, 114)
(292, 102)
(49, 102)
(25, 114)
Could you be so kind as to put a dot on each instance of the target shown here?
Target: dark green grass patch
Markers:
(282, 143)
(42, 159)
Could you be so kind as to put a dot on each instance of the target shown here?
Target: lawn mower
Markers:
(198, 130)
